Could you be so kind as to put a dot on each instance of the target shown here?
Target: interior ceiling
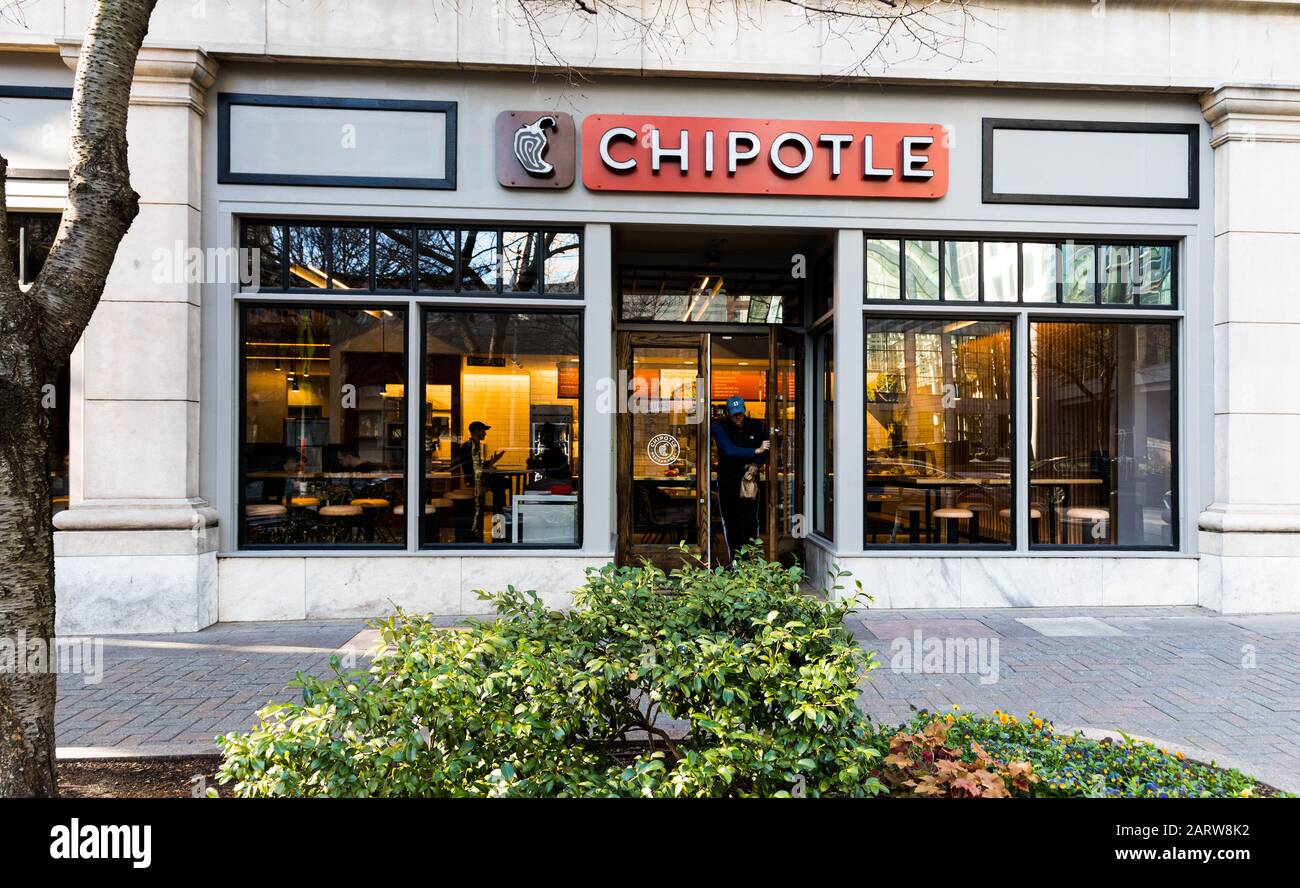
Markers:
(728, 247)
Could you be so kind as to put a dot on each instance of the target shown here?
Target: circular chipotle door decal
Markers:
(663, 450)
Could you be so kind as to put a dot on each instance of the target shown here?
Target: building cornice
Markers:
(168, 75)
(1252, 113)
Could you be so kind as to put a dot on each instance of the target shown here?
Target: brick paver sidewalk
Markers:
(1228, 687)
(1219, 686)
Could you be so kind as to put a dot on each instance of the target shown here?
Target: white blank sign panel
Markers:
(276, 140)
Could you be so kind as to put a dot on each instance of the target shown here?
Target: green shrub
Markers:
(761, 680)
(1070, 765)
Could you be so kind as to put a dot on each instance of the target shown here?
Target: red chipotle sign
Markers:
(720, 155)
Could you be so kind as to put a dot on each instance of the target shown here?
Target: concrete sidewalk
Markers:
(1211, 685)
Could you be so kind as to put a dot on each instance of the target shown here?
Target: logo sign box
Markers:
(732, 155)
(535, 149)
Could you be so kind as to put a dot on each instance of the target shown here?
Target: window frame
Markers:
(421, 545)
(1013, 322)
(241, 314)
(1177, 314)
(1175, 423)
(901, 239)
(286, 224)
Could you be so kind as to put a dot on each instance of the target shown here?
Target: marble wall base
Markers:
(975, 582)
(328, 587)
(134, 581)
(1250, 573)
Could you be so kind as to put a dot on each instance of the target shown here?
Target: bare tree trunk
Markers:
(38, 330)
(27, 692)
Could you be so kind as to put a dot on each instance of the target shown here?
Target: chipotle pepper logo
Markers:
(535, 149)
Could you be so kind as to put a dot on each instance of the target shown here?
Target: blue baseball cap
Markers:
(735, 404)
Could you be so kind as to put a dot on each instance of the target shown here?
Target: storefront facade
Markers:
(1016, 342)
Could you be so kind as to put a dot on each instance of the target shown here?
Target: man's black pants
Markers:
(740, 524)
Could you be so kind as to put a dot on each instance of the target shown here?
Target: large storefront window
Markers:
(1102, 442)
(323, 454)
(938, 432)
(500, 428)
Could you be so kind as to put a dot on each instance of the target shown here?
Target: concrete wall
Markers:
(1118, 43)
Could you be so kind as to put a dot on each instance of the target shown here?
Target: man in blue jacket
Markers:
(739, 442)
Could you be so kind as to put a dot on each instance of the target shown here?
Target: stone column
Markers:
(599, 504)
(1250, 534)
(136, 550)
(850, 389)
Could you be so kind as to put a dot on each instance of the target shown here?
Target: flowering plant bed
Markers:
(1068, 764)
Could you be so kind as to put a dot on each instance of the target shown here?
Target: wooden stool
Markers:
(399, 510)
(1035, 518)
(371, 507)
(339, 517)
(914, 511)
(442, 519)
(305, 502)
(953, 516)
(265, 510)
(977, 509)
(462, 510)
(1097, 520)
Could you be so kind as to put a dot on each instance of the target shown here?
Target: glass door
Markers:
(785, 512)
(662, 447)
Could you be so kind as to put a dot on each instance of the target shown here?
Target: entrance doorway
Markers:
(676, 484)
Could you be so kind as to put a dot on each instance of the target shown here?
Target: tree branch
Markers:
(101, 204)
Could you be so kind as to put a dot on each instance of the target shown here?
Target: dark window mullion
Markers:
(941, 246)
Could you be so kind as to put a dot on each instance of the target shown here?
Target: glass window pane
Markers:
(350, 250)
(1001, 282)
(519, 249)
(38, 235)
(267, 240)
(1102, 433)
(1153, 280)
(394, 258)
(501, 428)
(1039, 271)
(479, 261)
(323, 456)
(12, 239)
(922, 270)
(882, 269)
(60, 440)
(562, 257)
(1116, 269)
(307, 262)
(683, 294)
(961, 271)
(437, 259)
(824, 428)
(1079, 286)
(938, 432)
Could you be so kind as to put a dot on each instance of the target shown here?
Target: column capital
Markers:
(165, 74)
(1252, 113)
